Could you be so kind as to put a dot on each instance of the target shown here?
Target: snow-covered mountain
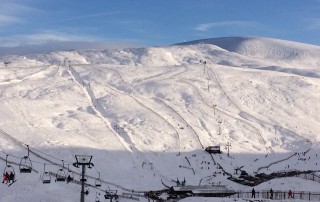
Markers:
(146, 115)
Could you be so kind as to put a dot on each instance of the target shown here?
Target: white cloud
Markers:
(7, 19)
(206, 26)
(16, 9)
(56, 41)
(43, 38)
(12, 13)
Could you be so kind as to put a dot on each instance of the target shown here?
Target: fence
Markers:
(279, 195)
(310, 176)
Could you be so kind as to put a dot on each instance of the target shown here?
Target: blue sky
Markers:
(54, 24)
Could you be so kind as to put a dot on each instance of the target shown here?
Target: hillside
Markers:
(146, 115)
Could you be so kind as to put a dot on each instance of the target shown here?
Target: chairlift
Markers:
(25, 165)
(97, 197)
(46, 178)
(98, 181)
(61, 174)
(85, 178)
(8, 169)
(111, 194)
(70, 174)
(86, 192)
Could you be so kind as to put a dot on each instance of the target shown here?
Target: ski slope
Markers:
(146, 115)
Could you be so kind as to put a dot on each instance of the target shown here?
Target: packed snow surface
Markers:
(147, 114)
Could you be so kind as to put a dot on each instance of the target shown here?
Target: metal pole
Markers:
(219, 122)
(228, 146)
(214, 109)
(82, 183)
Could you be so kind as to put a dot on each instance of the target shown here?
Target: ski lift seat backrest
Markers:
(8, 169)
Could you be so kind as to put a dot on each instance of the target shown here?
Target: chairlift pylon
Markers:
(46, 178)
(25, 165)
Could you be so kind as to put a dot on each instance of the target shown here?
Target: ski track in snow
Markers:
(252, 119)
(96, 105)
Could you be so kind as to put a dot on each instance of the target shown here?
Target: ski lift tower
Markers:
(83, 160)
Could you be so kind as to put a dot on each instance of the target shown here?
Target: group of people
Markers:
(7, 178)
(253, 192)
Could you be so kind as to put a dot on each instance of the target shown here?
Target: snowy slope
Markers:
(278, 51)
(146, 115)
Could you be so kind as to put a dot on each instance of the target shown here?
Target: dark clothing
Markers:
(253, 193)
(5, 177)
(69, 178)
(11, 177)
(271, 193)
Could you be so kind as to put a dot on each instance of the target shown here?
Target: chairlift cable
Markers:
(10, 154)
(49, 155)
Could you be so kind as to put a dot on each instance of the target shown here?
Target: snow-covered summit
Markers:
(267, 48)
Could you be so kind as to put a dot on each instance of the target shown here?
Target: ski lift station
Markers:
(213, 149)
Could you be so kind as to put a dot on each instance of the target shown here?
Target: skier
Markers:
(290, 194)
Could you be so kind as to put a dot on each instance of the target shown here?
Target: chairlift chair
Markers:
(98, 181)
(61, 175)
(97, 197)
(8, 169)
(111, 194)
(70, 173)
(87, 190)
(85, 178)
(25, 165)
(46, 178)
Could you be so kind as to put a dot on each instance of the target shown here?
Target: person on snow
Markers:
(290, 194)
(271, 193)
(253, 192)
